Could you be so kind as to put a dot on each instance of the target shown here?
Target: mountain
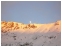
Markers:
(20, 34)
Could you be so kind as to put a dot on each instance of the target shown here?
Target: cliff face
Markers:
(19, 34)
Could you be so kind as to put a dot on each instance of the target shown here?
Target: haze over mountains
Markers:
(19, 34)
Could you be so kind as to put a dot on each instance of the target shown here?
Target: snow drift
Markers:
(19, 34)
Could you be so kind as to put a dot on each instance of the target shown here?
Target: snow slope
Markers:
(19, 34)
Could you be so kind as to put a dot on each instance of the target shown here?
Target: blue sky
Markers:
(35, 11)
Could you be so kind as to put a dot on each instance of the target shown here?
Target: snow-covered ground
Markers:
(19, 34)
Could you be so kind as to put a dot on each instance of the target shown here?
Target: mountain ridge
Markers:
(16, 34)
(8, 26)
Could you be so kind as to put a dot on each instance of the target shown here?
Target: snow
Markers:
(37, 35)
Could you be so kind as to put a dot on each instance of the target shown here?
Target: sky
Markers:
(34, 11)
